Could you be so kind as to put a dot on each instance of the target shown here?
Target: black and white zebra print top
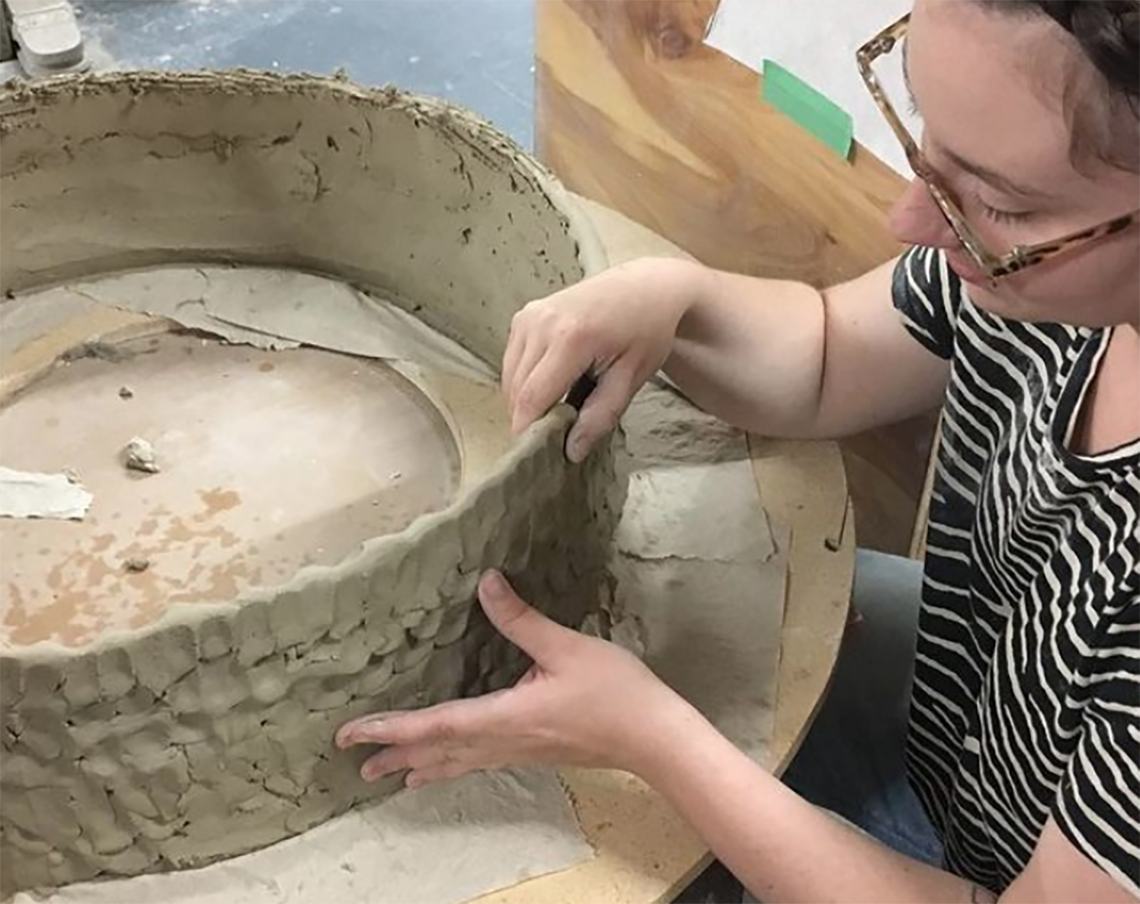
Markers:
(1026, 699)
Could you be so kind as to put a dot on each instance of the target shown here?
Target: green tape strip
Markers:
(794, 97)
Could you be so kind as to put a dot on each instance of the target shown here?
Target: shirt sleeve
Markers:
(927, 295)
(1098, 802)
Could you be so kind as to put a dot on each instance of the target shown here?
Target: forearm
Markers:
(773, 840)
(750, 351)
(782, 359)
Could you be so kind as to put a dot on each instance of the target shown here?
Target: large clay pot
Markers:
(206, 733)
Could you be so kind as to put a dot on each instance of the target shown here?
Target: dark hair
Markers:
(1108, 34)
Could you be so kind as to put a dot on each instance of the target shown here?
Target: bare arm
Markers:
(783, 359)
(774, 841)
(775, 357)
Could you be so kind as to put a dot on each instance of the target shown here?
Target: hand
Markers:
(619, 324)
(584, 702)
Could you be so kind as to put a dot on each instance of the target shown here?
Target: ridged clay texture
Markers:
(208, 734)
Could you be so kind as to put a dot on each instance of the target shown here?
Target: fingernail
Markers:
(413, 781)
(576, 449)
(494, 585)
(353, 732)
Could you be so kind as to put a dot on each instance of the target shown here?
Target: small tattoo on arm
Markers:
(979, 895)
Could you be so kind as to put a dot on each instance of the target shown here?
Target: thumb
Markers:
(601, 412)
(524, 626)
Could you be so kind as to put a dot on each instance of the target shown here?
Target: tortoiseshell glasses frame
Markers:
(992, 266)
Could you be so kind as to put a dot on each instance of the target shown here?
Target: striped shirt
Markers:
(1026, 698)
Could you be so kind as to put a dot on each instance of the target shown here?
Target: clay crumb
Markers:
(72, 476)
(136, 565)
(125, 392)
(395, 475)
(101, 351)
(139, 456)
(348, 867)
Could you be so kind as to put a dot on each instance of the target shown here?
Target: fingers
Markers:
(602, 410)
(420, 757)
(442, 741)
(361, 730)
(527, 628)
(540, 386)
(534, 352)
(531, 675)
(423, 764)
(459, 721)
(461, 735)
(516, 346)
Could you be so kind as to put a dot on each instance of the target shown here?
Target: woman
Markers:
(1017, 311)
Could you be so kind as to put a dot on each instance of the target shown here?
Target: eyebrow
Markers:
(995, 179)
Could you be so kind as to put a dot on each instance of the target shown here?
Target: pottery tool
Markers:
(582, 389)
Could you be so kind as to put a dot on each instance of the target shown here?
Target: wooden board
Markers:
(634, 111)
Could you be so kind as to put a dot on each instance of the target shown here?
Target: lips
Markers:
(967, 272)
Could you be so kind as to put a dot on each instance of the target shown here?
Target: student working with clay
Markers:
(1010, 767)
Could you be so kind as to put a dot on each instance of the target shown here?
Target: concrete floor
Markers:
(478, 53)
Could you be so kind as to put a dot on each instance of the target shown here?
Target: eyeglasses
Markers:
(993, 266)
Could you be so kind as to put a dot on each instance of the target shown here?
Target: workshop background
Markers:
(477, 53)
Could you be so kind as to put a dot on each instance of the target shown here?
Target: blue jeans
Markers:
(852, 760)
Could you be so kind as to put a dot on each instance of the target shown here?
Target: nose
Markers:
(916, 220)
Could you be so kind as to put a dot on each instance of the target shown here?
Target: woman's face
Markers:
(990, 88)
